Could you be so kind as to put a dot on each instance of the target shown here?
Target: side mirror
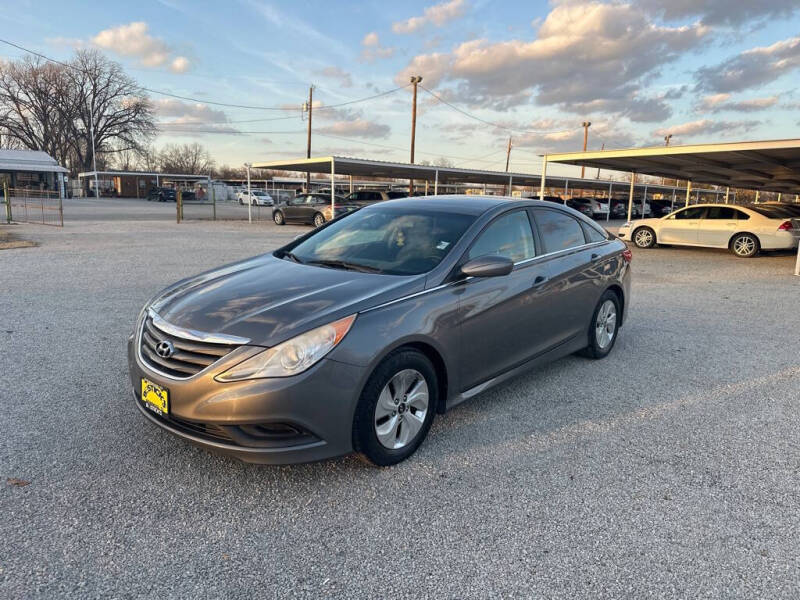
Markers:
(488, 266)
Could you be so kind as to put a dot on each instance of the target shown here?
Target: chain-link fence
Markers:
(41, 207)
(224, 203)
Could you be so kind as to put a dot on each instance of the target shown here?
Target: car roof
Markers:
(473, 205)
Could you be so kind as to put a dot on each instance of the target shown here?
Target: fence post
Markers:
(214, 201)
(178, 206)
(61, 210)
(8, 201)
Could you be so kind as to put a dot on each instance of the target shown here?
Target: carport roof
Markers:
(361, 167)
(142, 174)
(772, 166)
(29, 160)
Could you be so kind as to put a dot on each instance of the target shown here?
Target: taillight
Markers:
(785, 226)
(627, 255)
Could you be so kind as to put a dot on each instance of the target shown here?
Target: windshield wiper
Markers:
(341, 264)
(292, 256)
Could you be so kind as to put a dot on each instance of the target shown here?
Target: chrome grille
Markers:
(190, 356)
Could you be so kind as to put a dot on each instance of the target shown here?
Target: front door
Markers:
(681, 227)
(500, 317)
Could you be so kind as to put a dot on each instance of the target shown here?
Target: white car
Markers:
(256, 197)
(743, 229)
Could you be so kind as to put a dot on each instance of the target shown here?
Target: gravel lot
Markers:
(670, 469)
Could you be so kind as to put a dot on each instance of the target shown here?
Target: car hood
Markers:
(269, 300)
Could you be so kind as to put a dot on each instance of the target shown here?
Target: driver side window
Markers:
(509, 236)
(695, 212)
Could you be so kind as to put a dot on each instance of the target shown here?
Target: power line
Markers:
(212, 102)
(492, 124)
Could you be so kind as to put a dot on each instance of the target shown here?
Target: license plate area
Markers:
(155, 397)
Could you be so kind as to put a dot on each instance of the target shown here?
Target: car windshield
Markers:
(772, 211)
(390, 240)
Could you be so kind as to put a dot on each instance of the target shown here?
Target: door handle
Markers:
(540, 279)
(595, 256)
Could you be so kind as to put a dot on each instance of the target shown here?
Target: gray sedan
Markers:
(352, 337)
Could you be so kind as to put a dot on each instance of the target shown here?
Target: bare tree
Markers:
(49, 106)
(191, 159)
(122, 114)
(36, 108)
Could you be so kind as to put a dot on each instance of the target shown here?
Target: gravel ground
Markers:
(670, 469)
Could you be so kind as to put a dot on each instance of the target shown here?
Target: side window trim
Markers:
(586, 242)
(465, 256)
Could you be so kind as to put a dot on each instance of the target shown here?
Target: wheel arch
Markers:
(738, 233)
(438, 362)
(620, 293)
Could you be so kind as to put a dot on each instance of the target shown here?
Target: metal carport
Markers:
(771, 166)
(360, 167)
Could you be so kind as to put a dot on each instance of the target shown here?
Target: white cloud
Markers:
(720, 102)
(372, 48)
(343, 78)
(438, 14)
(179, 64)
(357, 128)
(720, 12)
(751, 68)
(584, 52)
(134, 40)
(705, 127)
(180, 116)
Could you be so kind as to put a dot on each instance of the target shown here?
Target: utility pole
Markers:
(603, 147)
(667, 138)
(586, 125)
(508, 153)
(309, 107)
(415, 80)
(94, 154)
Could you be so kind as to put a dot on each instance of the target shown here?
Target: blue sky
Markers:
(703, 70)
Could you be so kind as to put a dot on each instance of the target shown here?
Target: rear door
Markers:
(501, 317)
(682, 226)
(718, 225)
(573, 273)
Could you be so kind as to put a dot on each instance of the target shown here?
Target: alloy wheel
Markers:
(401, 409)
(744, 245)
(643, 238)
(606, 324)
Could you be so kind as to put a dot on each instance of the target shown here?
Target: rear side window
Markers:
(592, 234)
(722, 212)
(559, 230)
(510, 236)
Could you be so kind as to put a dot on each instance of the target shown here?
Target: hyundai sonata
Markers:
(352, 337)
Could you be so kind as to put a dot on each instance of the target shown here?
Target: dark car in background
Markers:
(166, 194)
(355, 335)
(311, 208)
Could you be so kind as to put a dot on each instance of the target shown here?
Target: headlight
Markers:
(292, 356)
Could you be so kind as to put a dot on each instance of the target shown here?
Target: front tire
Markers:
(277, 216)
(396, 407)
(644, 237)
(604, 326)
(319, 220)
(745, 245)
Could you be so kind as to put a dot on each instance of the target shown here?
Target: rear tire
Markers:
(396, 408)
(604, 327)
(319, 220)
(277, 216)
(644, 237)
(744, 245)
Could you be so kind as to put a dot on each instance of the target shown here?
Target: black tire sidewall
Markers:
(279, 218)
(365, 440)
(322, 220)
(594, 350)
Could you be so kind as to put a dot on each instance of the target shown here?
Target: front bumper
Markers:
(319, 404)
